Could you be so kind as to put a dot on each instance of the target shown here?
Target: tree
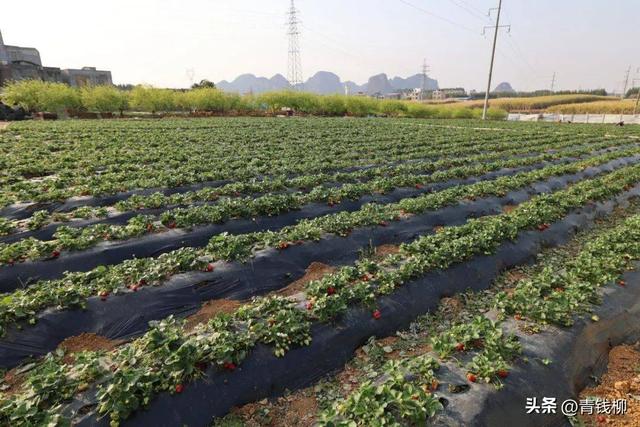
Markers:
(36, 95)
(103, 99)
(204, 84)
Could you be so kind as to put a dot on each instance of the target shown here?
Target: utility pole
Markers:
(425, 70)
(493, 54)
(633, 84)
(294, 74)
(553, 81)
(626, 82)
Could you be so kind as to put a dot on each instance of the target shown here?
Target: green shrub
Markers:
(36, 95)
(103, 99)
(147, 98)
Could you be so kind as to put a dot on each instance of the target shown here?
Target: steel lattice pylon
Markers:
(294, 74)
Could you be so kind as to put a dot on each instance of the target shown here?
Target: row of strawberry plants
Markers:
(557, 294)
(167, 356)
(75, 287)
(79, 238)
(118, 163)
(405, 390)
(301, 182)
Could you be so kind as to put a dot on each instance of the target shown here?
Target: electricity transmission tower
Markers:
(553, 81)
(294, 74)
(423, 89)
(493, 54)
(191, 73)
(626, 82)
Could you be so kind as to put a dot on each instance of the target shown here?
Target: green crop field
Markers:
(162, 270)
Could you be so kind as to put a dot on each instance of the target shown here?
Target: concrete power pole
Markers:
(553, 81)
(626, 82)
(493, 54)
(294, 74)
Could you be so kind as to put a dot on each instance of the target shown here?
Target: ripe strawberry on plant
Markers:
(179, 388)
(55, 254)
(503, 373)
(103, 295)
(209, 268)
(377, 314)
(309, 305)
(622, 283)
(460, 346)
(283, 245)
(229, 366)
(383, 223)
(331, 290)
(472, 377)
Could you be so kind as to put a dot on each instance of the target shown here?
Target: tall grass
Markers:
(599, 107)
(538, 102)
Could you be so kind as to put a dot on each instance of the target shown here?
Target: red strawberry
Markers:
(179, 388)
(365, 278)
(418, 186)
(142, 282)
(383, 223)
(460, 347)
(309, 305)
(471, 377)
(376, 314)
(331, 290)
(149, 228)
(229, 366)
(622, 283)
(209, 268)
(55, 254)
(331, 204)
(134, 288)
(103, 295)
(518, 317)
(601, 419)
(503, 373)
(283, 245)
(172, 224)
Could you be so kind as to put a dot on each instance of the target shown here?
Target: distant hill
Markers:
(413, 82)
(504, 87)
(247, 83)
(325, 82)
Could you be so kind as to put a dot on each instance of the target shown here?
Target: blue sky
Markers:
(588, 43)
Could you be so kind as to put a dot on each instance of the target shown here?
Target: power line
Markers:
(442, 18)
(553, 81)
(464, 7)
(294, 64)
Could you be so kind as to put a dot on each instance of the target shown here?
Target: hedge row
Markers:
(35, 95)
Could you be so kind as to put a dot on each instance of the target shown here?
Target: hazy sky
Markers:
(588, 43)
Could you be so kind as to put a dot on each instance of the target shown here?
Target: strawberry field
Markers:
(382, 271)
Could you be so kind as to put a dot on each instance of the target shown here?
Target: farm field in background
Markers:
(352, 271)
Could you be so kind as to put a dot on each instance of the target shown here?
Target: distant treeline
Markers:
(35, 95)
